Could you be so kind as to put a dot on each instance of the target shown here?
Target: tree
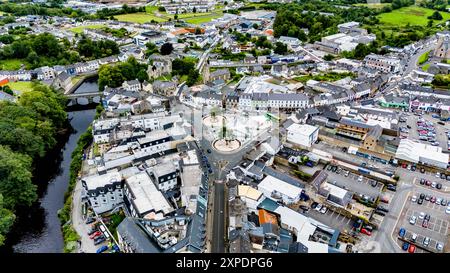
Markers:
(161, 9)
(15, 179)
(280, 48)
(166, 49)
(151, 48)
(6, 220)
(110, 76)
(198, 30)
(328, 57)
(175, 17)
(255, 26)
(8, 90)
(142, 75)
(194, 10)
(193, 77)
(430, 23)
(435, 16)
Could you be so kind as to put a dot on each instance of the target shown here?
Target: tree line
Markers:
(46, 50)
(114, 75)
(28, 130)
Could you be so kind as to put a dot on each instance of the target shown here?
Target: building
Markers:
(416, 152)
(159, 66)
(165, 176)
(133, 85)
(143, 199)
(382, 63)
(278, 189)
(104, 191)
(442, 50)
(152, 36)
(251, 196)
(302, 134)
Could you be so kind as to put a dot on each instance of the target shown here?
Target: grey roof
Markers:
(137, 238)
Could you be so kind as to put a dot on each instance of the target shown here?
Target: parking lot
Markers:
(352, 183)
(439, 130)
(438, 224)
(332, 219)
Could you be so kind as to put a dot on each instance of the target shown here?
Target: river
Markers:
(38, 229)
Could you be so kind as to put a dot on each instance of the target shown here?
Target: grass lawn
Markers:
(425, 67)
(80, 29)
(139, 17)
(200, 19)
(21, 86)
(12, 64)
(413, 15)
(423, 58)
(76, 79)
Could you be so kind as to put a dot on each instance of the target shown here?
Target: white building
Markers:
(275, 188)
(416, 152)
(382, 63)
(165, 176)
(302, 134)
(251, 196)
(143, 198)
(104, 192)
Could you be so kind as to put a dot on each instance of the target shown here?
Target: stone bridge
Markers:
(84, 98)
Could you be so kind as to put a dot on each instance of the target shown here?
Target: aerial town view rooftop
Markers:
(225, 126)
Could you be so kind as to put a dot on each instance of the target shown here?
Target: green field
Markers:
(12, 64)
(423, 58)
(81, 28)
(413, 15)
(425, 67)
(200, 19)
(21, 86)
(139, 18)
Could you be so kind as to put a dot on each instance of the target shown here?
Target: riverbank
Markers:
(70, 235)
(38, 229)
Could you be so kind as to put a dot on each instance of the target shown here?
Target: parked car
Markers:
(414, 198)
(329, 167)
(422, 196)
(95, 234)
(90, 220)
(428, 182)
(323, 210)
(422, 215)
(444, 202)
(360, 178)
(438, 186)
(427, 197)
(422, 170)
(402, 232)
(425, 224)
(447, 210)
(412, 249)
(314, 205)
(381, 208)
(413, 237)
(318, 207)
(208, 151)
(365, 231)
(439, 246)
(374, 183)
(433, 199)
(433, 184)
(102, 249)
(443, 176)
(405, 246)
(420, 201)
(391, 187)
(426, 241)
(92, 230)
(412, 220)
(99, 240)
